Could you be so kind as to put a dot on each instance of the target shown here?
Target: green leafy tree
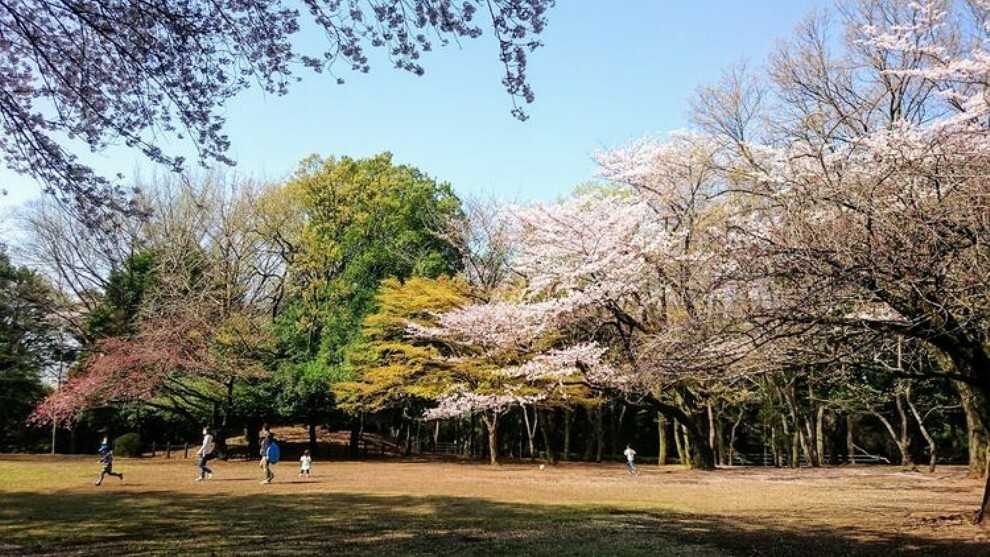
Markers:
(29, 345)
(366, 220)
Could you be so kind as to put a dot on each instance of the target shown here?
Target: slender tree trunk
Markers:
(688, 445)
(820, 434)
(599, 433)
(902, 445)
(662, 438)
(491, 423)
(773, 446)
(530, 430)
(712, 430)
(932, 449)
(568, 422)
(589, 429)
(807, 443)
(682, 455)
(548, 434)
(732, 435)
(851, 438)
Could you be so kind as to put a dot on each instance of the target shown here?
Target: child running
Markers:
(630, 455)
(106, 459)
(305, 463)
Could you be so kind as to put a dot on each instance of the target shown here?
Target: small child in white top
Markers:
(630, 455)
(305, 463)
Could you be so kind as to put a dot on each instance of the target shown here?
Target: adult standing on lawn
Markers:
(205, 454)
(267, 439)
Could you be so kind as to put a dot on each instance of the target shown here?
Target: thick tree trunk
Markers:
(251, 434)
(977, 435)
(976, 405)
(312, 439)
(701, 455)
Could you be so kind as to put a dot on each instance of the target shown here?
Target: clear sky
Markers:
(610, 71)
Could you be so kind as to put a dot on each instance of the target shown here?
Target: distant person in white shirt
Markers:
(205, 453)
(630, 456)
(305, 464)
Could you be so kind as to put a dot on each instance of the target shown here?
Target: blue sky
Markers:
(610, 72)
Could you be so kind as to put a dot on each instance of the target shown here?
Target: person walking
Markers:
(630, 456)
(205, 455)
(267, 439)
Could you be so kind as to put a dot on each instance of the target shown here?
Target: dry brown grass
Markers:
(423, 507)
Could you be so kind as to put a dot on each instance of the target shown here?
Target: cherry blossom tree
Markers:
(860, 175)
(82, 76)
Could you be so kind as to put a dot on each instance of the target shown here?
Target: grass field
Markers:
(48, 505)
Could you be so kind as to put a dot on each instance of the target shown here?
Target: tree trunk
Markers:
(568, 422)
(820, 434)
(491, 423)
(712, 430)
(773, 446)
(548, 434)
(357, 430)
(662, 438)
(589, 429)
(312, 439)
(850, 439)
(977, 434)
(530, 430)
(701, 454)
(902, 445)
(599, 433)
(681, 453)
(732, 435)
(932, 449)
(251, 434)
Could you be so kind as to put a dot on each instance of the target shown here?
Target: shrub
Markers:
(128, 444)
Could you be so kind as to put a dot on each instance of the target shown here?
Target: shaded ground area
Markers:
(49, 506)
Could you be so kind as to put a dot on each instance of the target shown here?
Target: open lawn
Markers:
(48, 505)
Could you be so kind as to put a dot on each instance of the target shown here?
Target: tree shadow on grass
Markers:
(118, 523)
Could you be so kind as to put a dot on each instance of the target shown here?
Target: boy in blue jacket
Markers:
(106, 459)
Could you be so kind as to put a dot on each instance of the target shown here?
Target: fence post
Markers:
(168, 450)
(185, 450)
(152, 449)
